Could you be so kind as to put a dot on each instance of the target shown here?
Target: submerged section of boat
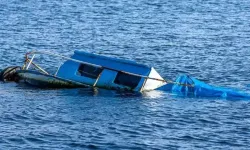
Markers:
(201, 89)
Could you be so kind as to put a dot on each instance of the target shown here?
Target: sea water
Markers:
(209, 40)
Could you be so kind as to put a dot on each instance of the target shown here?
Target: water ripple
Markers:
(206, 39)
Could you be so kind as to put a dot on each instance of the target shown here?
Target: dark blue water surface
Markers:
(209, 40)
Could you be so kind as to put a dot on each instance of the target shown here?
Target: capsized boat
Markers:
(90, 70)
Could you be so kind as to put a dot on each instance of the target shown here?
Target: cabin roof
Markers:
(130, 62)
(113, 63)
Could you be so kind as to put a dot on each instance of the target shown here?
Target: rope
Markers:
(181, 84)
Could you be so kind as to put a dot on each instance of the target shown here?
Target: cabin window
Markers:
(89, 71)
(127, 80)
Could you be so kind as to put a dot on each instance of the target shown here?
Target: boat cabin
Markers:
(110, 73)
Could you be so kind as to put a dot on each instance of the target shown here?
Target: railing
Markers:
(26, 67)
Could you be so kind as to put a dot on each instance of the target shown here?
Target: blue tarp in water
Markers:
(201, 89)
